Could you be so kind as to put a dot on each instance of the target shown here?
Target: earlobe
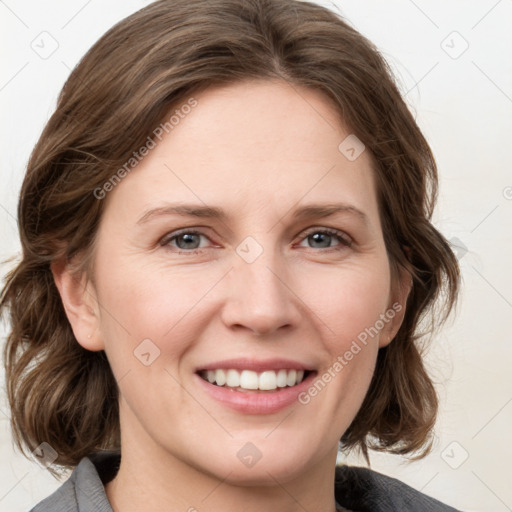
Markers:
(80, 304)
(396, 309)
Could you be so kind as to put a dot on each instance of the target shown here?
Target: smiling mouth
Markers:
(248, 380)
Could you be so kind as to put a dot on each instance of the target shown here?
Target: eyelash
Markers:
(344, 239)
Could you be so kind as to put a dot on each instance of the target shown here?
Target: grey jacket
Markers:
(357, 489)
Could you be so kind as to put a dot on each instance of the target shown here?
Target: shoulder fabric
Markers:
(82, 492)
(363, 490)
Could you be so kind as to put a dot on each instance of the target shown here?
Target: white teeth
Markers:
(249, 380)
(267, 381)
(291, 379)
(232, 379)
(282, 378)
(220, 377)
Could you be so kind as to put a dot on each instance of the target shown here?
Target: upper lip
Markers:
(256, 365)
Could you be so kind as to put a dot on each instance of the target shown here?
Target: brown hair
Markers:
(153, 60)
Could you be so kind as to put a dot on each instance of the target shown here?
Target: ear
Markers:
(78, 297)
(395, 313)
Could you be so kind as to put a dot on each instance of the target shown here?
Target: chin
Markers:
(261, 463)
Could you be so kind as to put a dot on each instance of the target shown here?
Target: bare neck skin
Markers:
(147, 481)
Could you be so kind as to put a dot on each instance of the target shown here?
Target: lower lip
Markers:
(253, 402)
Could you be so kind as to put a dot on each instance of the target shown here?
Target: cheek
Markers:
(148, 325)
(167, 305)
(139, 304)
(349, 305)
(348, 300)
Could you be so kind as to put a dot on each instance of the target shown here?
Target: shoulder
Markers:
(361, 489)
(358, 489)
(84, 490)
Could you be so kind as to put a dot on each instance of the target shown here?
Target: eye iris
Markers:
(188, 237)
(321, 237)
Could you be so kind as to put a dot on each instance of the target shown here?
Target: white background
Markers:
(462, 102)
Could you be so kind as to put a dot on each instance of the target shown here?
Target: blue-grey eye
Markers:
(188, 240)
(324, 239)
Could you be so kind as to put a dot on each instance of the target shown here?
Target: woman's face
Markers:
(250, 280)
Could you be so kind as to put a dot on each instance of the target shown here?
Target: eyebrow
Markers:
(209, 212)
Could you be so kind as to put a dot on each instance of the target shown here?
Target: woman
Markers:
(177, 335)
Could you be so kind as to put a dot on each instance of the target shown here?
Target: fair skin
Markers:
(260, 151)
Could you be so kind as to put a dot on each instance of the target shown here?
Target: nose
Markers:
(260, 297)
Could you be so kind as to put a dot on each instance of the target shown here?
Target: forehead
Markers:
(255, 145)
